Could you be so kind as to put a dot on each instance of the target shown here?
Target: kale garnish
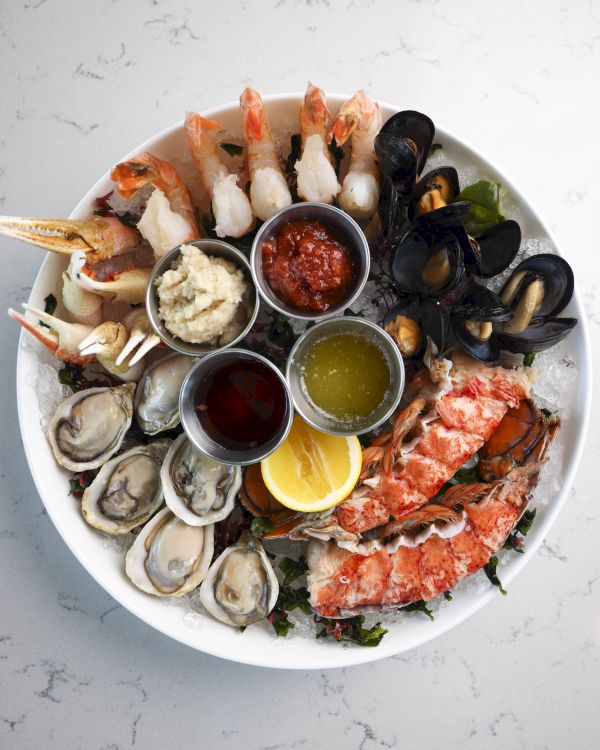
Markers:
(282, 334)
(338, 154)
(419, 606)
(484, 212)
(261, 526)
(232, 149)
(292, 569)
(528, 359)
(490, 571)
(79, 482)
(523, 527)
(351, 630)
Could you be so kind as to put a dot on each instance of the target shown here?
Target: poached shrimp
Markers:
(359, 119)
(230, 205)
(269, 191)
(317, 180)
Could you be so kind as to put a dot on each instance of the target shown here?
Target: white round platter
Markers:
(258, 645)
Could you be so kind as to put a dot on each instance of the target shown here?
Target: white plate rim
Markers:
(332, 655)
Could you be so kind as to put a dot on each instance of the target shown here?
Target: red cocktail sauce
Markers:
(307, 266)
(241, 405)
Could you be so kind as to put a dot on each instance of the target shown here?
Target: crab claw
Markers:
(61, 338)
(140, 333)
(128, 286)
(106, 341)
(98, 236)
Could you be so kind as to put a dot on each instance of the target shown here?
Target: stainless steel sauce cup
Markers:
(217, 249)
(194, 429)
(295, 376)
(345, 227)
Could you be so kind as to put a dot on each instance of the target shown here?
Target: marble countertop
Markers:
(82, 85)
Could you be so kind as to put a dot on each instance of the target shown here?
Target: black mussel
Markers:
(494, 250)
(435, 323)
(432, 200)
(427, 263)
(397, 159)
(473, 317)
(538, 289)
(479, 303)
(416, 128)
(445, 217)
(403, 323)
(537, 338)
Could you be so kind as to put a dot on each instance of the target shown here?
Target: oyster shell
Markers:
(198, 489)
(127, 490)
(169, 557)
(88, 427)
(157, 397)
(240, 587)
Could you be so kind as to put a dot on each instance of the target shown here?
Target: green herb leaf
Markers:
(337, 152)
(514, 543)
(232, 149)
(79, 482)
(290, 598)
(526, 522)
(261, 526)
(448, 596)
(282, 334)
(294, 154)
(546, 412)
(351, 630)
(50, 304)
(528, 359)
(466, 475)
(434, 147)
(490, 571)
(71, 375)
(348, 312)
(128, 219)
(485, 206)
(419, 606)
(292, 569)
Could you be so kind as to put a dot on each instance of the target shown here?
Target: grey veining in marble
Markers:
(82, 84)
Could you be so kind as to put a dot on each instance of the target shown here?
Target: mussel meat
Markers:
(428, 263)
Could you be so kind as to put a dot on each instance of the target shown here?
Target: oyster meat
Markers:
(88, 427)
(240, 587)
(157, 397)
(169, 557)
(198, 489)
(127, 490)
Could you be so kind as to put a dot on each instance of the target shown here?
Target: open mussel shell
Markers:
(473, 315)
(480, 303)
(414, 127)
(169, 557)
(485, 350)
(127, 490)
(435, 322)
(157, 397)
(446, 217)
(88, 427)
(556, 276)
(432, 201)
(198, 489)
(427, 263)
(241, 586)
(494, 250)
(403, 323)
(537, 338)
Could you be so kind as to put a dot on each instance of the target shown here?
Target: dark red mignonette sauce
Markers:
(308, 266)
(241, 404)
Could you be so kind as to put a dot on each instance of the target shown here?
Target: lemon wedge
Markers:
(312, 471)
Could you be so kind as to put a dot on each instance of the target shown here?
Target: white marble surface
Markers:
(83, 83)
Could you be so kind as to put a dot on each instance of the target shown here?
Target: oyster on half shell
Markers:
(127, 490)
(157, 397)
(241, 586)
(198, 489)
(88, 427)
(169, 557)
